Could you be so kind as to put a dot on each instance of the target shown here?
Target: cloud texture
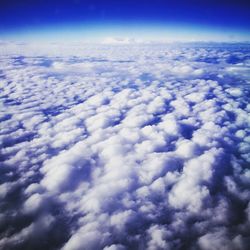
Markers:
(125, 147)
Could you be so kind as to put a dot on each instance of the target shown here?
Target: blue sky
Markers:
(149, 19)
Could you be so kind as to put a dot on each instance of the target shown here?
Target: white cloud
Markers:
(112, 40)
(132, 146)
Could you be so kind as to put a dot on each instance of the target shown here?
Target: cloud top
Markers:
(125, 147)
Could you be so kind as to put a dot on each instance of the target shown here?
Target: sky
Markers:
(141, 19)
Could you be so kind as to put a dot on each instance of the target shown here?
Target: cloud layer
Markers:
(125, 147)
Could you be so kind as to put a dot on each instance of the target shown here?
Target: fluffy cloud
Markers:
(125, 146)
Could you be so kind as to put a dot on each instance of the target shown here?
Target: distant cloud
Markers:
(112, 40)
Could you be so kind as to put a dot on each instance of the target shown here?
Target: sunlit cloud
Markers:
(124, 145)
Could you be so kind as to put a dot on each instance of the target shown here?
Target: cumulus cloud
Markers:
(132, 146)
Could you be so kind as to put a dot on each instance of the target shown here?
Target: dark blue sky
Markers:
(20, 16)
